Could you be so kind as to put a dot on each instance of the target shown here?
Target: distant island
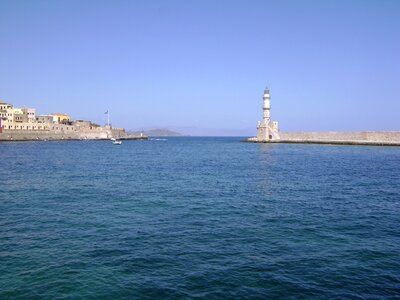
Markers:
(155, 132)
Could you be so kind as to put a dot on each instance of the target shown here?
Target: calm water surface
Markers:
(207, 218)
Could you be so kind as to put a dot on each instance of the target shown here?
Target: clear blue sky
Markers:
(330, 65)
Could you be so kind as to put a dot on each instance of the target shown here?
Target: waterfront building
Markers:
(29, 115)
(267, 130)
(24, 124)
(46, 119)
(18, 115)
(6, 112)
(11, 116)
(4, 106)
(61, 118)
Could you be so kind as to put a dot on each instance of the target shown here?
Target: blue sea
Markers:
(198, 218)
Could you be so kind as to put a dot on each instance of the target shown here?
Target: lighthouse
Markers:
(267, 130)
(266, 107)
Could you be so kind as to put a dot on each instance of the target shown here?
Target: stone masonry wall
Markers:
(26, 135)
(89, 134)
(384, 137)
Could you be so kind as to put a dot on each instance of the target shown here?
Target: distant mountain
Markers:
(155, 132)
(204, 131)
(162, 132)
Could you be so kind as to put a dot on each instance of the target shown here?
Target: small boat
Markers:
(117, 142)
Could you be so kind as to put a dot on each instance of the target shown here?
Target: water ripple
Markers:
(204, 218)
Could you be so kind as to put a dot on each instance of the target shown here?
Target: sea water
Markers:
(207, 218)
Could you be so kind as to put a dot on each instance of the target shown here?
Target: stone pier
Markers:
(268, 132)
(376, 138)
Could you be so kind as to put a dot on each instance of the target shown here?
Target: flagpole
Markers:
(108, 118)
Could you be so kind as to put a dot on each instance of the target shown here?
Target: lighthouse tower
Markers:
(267, 130)
(266, 107)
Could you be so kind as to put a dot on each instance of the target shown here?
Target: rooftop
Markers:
(59, 114)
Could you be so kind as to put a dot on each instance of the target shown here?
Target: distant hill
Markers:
(156, 132)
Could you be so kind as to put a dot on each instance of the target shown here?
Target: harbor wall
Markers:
(29, 135)
(350, 137)
(79, 134)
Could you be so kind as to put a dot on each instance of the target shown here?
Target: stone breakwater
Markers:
(378, 138)
(89, 134)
